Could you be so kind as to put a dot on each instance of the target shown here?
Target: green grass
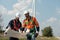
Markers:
(3, 38)
(38, 38)
(46, 38)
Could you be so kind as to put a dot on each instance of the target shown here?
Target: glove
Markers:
(36, 34)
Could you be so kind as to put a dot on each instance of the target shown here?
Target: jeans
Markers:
(30, 36)
(12, 38)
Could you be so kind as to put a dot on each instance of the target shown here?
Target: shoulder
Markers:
(11, 21)
(24, 20)
(34, 18)
(20, 22)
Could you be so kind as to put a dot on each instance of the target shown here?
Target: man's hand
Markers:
(36, 34)
(5, 34)
(6, 31)
(20, 31)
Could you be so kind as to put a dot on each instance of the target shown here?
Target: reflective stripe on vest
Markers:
(16, 27)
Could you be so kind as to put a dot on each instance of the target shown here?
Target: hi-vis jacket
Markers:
(15, 25)
(31, 23)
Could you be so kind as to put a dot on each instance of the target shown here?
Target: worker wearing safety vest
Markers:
(31, 26)
(15, 25)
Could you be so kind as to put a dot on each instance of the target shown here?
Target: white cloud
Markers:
(52, 19)
(58, 10)
(22, 4)
(12, 11)
(49, 22)
(3, 10)
(54, 23)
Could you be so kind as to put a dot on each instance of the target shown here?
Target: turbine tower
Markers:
(34, 8)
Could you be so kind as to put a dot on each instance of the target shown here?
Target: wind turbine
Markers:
(34, 8)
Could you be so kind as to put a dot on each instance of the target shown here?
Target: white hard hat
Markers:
(25, 12)
(18, 14)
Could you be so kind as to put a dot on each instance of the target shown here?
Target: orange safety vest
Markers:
(31, 23)
(16, 27)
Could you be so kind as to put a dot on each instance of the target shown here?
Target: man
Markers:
(15, 25)
(31, 26)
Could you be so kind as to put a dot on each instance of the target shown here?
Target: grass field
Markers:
(38, 38)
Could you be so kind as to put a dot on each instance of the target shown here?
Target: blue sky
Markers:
(47, 12)
(8, 4)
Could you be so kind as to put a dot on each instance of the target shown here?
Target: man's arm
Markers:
(7, 30)
(8, 27)
(23, 26)
(37, 25)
